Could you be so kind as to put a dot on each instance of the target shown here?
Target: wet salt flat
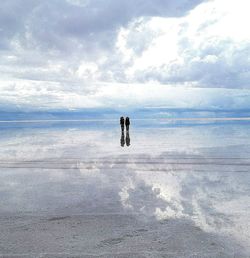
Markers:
(176, 191)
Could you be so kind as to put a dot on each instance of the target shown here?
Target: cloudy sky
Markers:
(71, 54)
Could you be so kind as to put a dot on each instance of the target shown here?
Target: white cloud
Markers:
(208, 47)
(34, 95)
(78, 53)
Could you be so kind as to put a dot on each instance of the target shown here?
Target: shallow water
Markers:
(175, 191)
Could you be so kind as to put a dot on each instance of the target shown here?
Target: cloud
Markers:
(37, 95)
(55, 24)
(208, 47)
(67, 33)
(86, 49)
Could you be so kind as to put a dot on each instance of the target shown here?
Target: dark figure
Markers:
(122, 123)
(122, 139)
(127, 138)
(127, 123)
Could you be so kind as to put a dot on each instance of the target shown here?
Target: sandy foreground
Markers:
(174, 192)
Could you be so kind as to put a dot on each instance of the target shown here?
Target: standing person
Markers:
(122, 123)
(127, 123)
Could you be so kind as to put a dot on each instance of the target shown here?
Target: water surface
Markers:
(177, 190)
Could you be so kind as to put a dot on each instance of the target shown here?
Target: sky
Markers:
(74, 54)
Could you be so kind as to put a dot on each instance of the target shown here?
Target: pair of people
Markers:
(125, 122)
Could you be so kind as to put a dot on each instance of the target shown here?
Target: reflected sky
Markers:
(200, 174)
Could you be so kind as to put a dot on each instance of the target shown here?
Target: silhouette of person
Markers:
(122, 123)
(127, 138)
(127, 123)
(122, 139)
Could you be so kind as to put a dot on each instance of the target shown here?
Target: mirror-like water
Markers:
(176, 191)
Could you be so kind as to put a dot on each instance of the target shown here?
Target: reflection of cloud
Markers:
(143, 199)
(203, 183)
(174, 194)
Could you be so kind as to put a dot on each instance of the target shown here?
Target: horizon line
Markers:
(136, 119)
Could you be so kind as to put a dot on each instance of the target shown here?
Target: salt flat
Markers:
(176, 191)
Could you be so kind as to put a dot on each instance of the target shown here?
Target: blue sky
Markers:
(74, 54)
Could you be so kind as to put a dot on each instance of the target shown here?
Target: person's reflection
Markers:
(127, 138)
(122, 139)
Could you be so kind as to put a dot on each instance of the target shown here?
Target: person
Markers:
(122, 123)
(127, 123)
